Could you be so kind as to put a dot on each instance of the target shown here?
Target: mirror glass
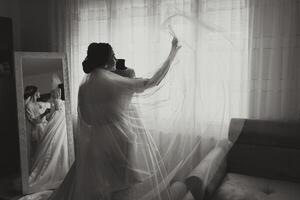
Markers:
(45, 129)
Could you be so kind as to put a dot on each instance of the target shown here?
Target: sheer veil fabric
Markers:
(210, 82)
(116, 157)
(51, 160)
(158, 136)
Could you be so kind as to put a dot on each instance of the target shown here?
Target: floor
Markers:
(10, 188)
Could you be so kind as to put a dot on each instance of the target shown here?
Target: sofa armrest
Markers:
(207, 176)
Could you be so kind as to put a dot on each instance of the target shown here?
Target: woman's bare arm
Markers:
(163, 70)
(140, 84)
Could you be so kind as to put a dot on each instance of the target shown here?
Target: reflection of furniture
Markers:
(62, 89)
(264, 163)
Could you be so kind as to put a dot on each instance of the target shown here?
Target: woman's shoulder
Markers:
(33, 104)
(29, 105)
(95, 80)
(129, 73)
(107, 76)
(99, 74)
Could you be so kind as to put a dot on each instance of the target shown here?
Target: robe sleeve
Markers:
(126, 85)
(30, 115)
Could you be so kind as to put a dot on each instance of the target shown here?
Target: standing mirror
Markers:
(44, 118)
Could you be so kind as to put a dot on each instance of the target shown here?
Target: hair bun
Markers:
(98, 55)
(86, 66)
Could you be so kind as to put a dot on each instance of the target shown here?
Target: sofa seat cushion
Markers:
(242, 187)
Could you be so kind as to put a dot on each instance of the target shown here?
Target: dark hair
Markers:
(30, 90)
(121, 64)
(98, 54)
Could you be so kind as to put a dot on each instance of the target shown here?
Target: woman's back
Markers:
(116, 157)
(102, 99)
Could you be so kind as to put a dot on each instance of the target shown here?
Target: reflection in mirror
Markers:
(46, 139)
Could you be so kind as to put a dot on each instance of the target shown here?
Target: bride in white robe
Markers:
(116, 157)
(50, 161)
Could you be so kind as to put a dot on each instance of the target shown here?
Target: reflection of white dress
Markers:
(116, 158)
(51, 158)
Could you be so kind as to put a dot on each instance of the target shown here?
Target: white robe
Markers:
(50, 162)
(116, 157)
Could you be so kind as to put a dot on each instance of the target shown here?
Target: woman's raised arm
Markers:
(163, 70)
(140, 84)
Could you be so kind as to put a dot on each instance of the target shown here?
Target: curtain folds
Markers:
(205, 91)
(239, 59)
(274, 57)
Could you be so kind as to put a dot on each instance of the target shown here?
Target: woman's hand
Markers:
(47, 111)
(56, 93)
(163, 70)
(174, 49)
(174, 42)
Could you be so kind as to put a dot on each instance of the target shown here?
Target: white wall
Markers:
(31, 27)
(35, 29)
(42, 81)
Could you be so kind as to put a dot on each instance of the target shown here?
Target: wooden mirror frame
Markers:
(23, 138)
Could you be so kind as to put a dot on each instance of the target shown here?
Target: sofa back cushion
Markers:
(268, 149)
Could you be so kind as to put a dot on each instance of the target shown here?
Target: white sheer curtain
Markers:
(274, 41)
(238, 60)
(208, 83)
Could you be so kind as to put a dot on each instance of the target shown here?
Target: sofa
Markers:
(260, 161)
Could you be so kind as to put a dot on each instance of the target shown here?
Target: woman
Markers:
(36, 112)
(50, 161)
(116, 157)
